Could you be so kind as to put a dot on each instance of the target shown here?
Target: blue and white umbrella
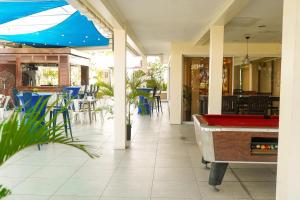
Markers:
(47, 23)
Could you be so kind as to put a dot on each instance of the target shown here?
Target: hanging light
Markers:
(246, 59)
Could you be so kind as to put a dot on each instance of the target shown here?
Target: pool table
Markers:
(227, 139)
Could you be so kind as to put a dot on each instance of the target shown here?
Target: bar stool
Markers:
(62, 107)
(158, 100)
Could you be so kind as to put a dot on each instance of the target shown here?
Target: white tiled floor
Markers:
(163, 163)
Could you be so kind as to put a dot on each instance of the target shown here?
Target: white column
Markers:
(288, 173)
(215, 69)
(144, 63)
(175, 88)
(119, 88)
(250, 77)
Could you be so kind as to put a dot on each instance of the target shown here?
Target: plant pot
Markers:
(128, 135)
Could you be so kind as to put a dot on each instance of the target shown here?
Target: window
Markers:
(39, 74)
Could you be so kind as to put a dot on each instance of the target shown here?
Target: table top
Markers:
(255, 121)
(145, 89)
(87, 100)
(36, 94)
(75, 87)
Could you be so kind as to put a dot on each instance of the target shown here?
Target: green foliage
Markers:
(105, 89)
(164, 87)
(52, 74)
(133, 82)
(4, 192)
(155, 75)
(16, 135)
(98, 76)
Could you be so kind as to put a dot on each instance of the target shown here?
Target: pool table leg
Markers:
(217, 172)
(205, 163)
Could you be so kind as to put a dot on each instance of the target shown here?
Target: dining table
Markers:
(41, 98)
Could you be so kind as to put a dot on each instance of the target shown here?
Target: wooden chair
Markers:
(264, 94)
(237, 92)
(229, 105)
(203, 99)
(258, 105)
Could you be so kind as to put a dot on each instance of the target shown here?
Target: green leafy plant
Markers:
(155, 75)
(106, 91)
(133, 82)
(16, 135)
(164, 87)
(50, 74)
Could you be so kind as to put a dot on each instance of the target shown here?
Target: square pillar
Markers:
(175, 88)
(144, 63)
(288, 173)
(215, 70)
(119, 88)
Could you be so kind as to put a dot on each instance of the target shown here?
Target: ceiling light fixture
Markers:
(246, 59)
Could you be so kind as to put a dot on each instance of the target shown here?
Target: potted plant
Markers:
(133, 82)
(133, 92)
(16, 135)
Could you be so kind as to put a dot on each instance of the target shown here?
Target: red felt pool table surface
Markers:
(240, 121)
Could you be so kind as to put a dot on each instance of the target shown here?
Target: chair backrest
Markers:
(27, 96)
(91, 88)
(263, 94)
(2, 99)
(203, 99)
(96, 89)
(7, 98)
(229, 105)
(15, 98)
(52, 100)
(76, 105)
(237, 91)
(85, 88)
(154, 91)
(258, 105)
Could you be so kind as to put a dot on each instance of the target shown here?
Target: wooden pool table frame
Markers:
(221, 145)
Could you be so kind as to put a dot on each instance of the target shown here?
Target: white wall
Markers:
(187, 49)
(288, 173)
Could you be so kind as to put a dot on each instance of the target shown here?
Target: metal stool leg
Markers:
(65, 122)
(69, 123)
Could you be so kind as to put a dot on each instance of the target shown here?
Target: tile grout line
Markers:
(242, 184)
(115, 170)
(29, 176)
(156, 152)
(195, 175)
(50, 196)
(39, 167)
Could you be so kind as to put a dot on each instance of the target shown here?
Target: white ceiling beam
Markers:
(132, 40)
(222, 17)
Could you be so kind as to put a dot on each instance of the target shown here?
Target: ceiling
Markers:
(158, 23)
(266, 13)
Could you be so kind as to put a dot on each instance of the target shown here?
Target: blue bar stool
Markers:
(62, 107)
